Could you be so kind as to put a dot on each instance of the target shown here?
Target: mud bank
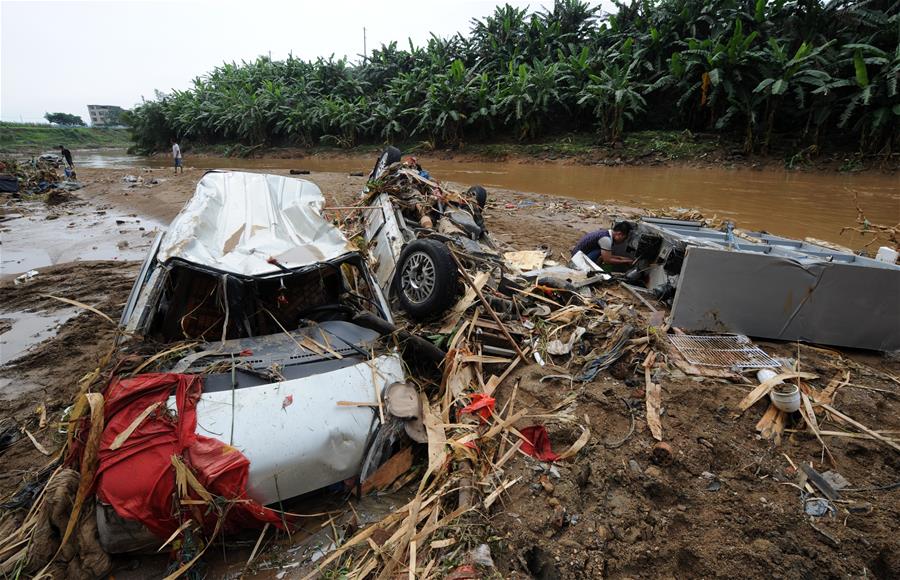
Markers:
(788, 203)
(725, 504)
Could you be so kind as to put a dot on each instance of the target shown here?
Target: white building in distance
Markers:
(104, 115)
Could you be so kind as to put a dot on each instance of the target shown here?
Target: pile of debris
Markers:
(36, 177)
(139, 181)
(234, 323)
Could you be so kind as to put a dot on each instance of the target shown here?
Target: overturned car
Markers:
(416, 230)
(252, 291)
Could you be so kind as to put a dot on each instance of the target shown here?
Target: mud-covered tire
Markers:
(426, 279)
(480, 195)
(390, 155)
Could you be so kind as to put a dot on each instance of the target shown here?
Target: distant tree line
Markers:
(64, 119)
(758, 70)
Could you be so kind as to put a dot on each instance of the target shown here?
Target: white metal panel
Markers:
(385, 240)
(294, 432)
(236, 221)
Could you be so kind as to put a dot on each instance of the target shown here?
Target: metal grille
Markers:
(728, 351)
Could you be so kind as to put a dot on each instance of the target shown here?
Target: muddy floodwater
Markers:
(96, 236)
(789, 203)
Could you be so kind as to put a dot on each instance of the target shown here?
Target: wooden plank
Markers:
(810, 415)
(491, 325)
(643, 300)
(763, 388)
(487, 306)
(452, 317)
(490, 499)
(653, 398)
(861, 427)
(765, 422)
(389, 471)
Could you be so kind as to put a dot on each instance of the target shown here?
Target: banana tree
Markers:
(530, 95)
(873, 107)
(447, 104)
(801, 74)
(615, 97)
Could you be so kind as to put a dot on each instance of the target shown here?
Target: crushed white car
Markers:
(284, 320)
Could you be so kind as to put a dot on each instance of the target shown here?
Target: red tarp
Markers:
(138, 478)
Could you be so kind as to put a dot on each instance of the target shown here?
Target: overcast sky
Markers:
(62, 56)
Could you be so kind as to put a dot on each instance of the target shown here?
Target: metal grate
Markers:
(728, 351)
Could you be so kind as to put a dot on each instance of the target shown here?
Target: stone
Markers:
(653, 472)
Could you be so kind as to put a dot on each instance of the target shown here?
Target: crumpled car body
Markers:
(268, 303)
(411, 222)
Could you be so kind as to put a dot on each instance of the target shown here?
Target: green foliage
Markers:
(64, 119)
(34, 138)
(807, 69)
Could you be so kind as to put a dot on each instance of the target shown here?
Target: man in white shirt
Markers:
(176, 154)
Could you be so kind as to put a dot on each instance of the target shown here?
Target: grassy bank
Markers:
(668, 145)
(635, 148)
(34, 138)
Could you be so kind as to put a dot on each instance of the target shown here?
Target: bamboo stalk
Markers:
(487, 306)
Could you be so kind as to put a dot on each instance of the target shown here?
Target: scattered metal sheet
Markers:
(728, 351)
(783, 298)
(761, 285)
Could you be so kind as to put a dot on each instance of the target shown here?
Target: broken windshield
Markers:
(202, 304)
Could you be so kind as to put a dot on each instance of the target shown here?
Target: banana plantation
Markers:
(802, 72)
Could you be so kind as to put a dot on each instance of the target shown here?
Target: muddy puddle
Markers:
(19, 331)
(57, 237)
(793, 204)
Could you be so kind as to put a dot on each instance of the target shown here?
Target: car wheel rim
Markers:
(418, 277)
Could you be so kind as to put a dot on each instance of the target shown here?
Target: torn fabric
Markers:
(138, 478)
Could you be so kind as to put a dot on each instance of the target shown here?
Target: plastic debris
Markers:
(21, 279)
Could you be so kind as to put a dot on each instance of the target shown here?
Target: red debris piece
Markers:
(138, 478)
(481, 405)
(464, 572)
(537, 443)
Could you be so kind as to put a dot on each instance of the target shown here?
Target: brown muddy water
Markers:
(101, 235)
(788, 203)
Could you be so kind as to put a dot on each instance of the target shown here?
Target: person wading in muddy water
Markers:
(176, 155)
(607, 247)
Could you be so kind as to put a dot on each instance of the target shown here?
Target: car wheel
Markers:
(388, 156)
(426, 279)
(480, 195)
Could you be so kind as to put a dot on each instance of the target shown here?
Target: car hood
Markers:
(236, 221)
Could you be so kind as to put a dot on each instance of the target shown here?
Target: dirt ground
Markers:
(727, 505)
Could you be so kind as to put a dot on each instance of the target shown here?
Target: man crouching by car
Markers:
(607, 247)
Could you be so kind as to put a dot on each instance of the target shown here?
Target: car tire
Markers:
(389, 156)
(426, 279)
(480, 195)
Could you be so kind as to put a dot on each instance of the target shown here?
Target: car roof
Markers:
(236, 221)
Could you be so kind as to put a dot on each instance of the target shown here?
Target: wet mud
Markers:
(725, 504)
